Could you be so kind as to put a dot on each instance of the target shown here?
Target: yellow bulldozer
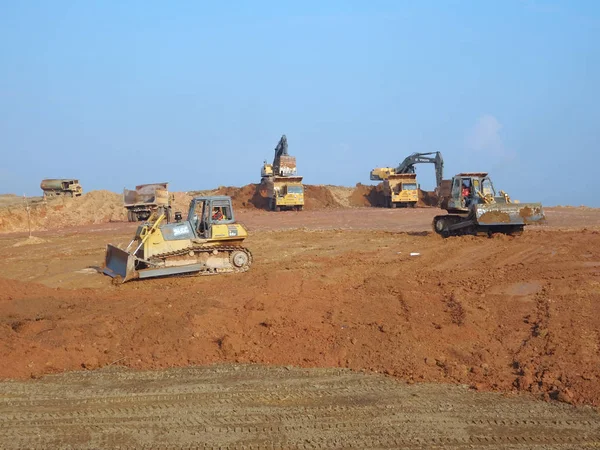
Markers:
(208, 242)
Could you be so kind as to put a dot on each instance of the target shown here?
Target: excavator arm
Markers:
(280, 150)
(408, 165)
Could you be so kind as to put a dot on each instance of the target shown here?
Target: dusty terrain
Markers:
(257, 407)
(326, 290)
(96, 207)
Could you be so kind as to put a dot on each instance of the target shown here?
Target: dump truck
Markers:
(285, 193)
(474, 208)
(208, 242)
(145, 200)
(401, 190)
(280, 181)
(67, 187)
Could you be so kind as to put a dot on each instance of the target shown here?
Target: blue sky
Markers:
(198, 93)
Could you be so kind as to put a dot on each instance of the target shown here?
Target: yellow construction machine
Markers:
(208, 242)
(400, 187)
(401, 190)
(474, 208)
(282, 186)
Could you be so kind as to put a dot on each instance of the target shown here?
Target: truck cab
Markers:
(401, 190)
(288, 193)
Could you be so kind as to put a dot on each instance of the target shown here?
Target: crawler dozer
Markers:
(474, 208)
(208, 242)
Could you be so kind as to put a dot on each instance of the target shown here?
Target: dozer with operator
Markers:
(474, 208)
(208, 242)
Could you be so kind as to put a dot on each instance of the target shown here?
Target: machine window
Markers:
(409, 186)
(220, 213)
(487, 188)
(294, 189)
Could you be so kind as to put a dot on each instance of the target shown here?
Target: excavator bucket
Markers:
(119, 264)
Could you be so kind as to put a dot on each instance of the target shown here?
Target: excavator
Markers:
(208, 242)
(408, 166)
(474, 208)
(280, 181)
(400, 186)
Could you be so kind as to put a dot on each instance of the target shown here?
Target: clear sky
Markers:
(119, 93)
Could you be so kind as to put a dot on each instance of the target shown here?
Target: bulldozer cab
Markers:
(470, 188)
(206, 211)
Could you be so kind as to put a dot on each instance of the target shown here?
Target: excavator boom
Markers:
(408, 166)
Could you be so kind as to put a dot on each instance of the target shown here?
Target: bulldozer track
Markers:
(209, 249)
(257, 407)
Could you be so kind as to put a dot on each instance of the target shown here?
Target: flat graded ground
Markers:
(233, 406)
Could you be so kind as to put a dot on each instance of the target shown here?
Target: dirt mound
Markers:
(373, 196)
(181, 202)
(364, 195)
(254, 196)
(249, 196)
(319, 197)
(91, 208)
(342, 194)
(427, 198)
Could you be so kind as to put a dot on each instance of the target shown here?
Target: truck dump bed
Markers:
(147, 194)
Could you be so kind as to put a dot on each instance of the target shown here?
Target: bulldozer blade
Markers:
(510, 214)
(119, 263)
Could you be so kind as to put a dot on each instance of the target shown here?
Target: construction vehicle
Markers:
(280, 182)
(67, 187)
(145, 200)
(474, 208)
(208, 242)
(400, 190)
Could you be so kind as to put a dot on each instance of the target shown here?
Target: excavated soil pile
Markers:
(373, 196)
(181, 202)
(367, 195)
(427, 198)
(319, 197)
(254, 196)
(91, 208)
(249, 196)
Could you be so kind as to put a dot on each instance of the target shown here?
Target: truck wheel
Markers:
(277, 208)
(394, 205)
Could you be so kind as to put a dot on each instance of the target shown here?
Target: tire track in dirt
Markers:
(272, 407)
